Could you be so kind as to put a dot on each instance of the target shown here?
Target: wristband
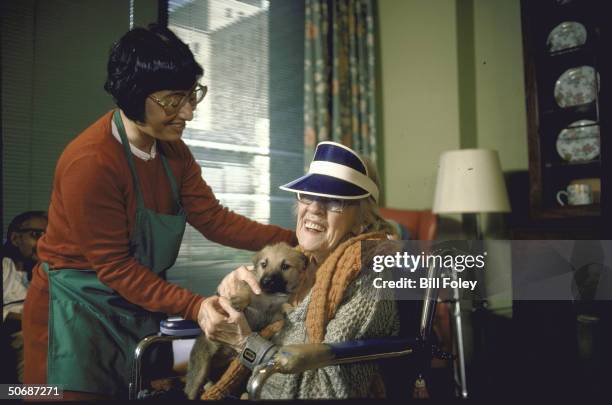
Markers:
(257, 351)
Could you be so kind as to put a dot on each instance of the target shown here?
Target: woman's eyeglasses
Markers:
(172, 103)
(33, 232)
(329, 204)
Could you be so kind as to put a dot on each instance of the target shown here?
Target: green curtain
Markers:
(339, 75)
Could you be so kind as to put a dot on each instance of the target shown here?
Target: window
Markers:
(247, 133)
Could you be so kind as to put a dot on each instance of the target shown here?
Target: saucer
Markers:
(568, 34)
(576, 86)
(579, 142)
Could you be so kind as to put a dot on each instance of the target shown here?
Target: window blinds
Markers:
(247, 133)
(53, 71)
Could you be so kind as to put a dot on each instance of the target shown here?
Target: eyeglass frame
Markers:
(164, 105)
(32, 232)
(325, 202)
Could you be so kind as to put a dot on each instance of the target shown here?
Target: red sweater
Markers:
(93, 208)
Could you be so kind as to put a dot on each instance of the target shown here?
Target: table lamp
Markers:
(470, 181)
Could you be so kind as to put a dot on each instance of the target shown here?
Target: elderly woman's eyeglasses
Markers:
(33, 232)
(172, 103)
(329, 204)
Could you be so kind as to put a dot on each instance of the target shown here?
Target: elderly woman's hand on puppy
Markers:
(222, 323)
(232, 282)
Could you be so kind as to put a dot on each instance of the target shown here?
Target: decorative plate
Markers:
(579, 142)
(566, 35)
(576, 86)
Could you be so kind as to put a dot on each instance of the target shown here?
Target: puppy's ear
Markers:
(304, 260)
(256, 258)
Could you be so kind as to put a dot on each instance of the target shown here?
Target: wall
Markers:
(56, 50)
(500, 89)
(451, 77)
(419, 92)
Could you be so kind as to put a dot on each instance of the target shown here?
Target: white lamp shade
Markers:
(470, 181)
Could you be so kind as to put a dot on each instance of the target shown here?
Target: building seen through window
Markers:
(247, 134)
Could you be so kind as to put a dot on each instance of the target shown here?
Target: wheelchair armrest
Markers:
(173, 328)
(176, 326)
(293, 359)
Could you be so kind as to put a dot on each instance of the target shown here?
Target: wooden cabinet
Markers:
(567, 82)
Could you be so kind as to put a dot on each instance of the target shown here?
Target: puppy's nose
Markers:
(273, 284)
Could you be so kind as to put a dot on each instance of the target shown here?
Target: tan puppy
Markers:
(279, 270)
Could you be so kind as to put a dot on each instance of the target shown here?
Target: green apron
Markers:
(93, 331)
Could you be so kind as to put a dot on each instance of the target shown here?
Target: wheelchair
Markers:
(422, 348)
(171, 329)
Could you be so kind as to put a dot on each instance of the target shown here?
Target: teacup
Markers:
(576, 194)
(595, 184)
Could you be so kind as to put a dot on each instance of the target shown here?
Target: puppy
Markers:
(279, 270)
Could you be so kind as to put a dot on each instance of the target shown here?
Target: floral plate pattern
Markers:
(579, 142)
(576, 86)
(566, 35)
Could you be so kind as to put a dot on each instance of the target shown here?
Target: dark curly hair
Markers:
(8, 249)
(146, 60)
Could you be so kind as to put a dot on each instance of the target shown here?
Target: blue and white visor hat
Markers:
(335, 172)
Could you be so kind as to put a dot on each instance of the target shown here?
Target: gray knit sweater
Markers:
(366, 312)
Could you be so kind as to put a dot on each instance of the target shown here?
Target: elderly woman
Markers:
(336, 210)
(123, 192)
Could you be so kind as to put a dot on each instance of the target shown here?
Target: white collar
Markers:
(135, 151)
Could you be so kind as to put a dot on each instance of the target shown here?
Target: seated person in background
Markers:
(18, 259)
(337, 208)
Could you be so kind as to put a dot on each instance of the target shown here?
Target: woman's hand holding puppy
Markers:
(222, 323)
(231, 283)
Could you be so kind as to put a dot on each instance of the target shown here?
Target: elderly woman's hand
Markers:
(222, 323)
(231, 283)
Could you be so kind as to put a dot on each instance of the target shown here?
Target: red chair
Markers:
(423, 224)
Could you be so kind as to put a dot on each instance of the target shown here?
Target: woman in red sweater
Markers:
(122, 193)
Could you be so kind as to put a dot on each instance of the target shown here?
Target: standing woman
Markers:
(122, 193)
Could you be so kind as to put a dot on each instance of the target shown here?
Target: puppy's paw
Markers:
(287, 308)
(240, 302)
